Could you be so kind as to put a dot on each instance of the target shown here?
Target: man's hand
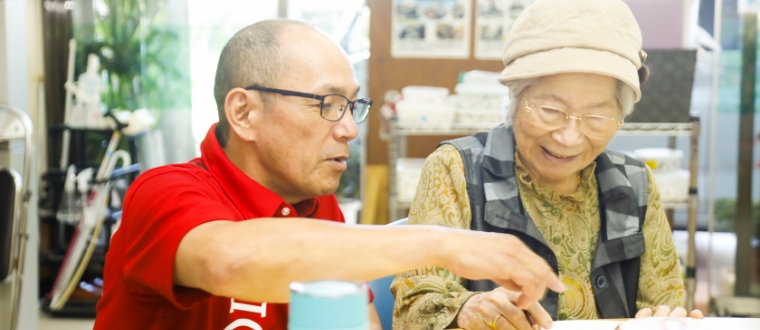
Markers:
(505, 260)
(665, 311)
(481, 310)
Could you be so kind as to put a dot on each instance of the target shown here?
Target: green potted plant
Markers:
(143, 58)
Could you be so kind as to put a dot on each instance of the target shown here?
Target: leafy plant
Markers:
(725, 215)
(144, 60)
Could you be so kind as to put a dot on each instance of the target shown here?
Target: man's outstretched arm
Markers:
(257, 260)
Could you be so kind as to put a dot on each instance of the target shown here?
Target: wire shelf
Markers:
(670, 129)
(440, 129)
(666, 204)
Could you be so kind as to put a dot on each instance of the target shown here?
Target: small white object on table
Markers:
(658, 323)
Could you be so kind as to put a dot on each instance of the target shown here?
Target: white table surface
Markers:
(708, 323)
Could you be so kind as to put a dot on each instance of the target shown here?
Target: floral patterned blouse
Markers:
(430, 298)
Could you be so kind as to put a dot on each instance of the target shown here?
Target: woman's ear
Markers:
(242, 108)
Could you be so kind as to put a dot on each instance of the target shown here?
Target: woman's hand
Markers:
(665, 311)
(502, 258)
(481, 310)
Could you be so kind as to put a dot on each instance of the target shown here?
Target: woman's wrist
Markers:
(455, 323)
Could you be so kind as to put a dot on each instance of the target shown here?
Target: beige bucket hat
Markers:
(561, 36)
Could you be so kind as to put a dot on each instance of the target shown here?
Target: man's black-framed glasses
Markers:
(332, 106)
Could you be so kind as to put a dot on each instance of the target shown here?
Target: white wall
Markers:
(666, 24)
(211, 24)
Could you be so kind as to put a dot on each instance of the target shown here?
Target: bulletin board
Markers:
(389, 73)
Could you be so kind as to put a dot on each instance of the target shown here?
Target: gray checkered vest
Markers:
(496, 207)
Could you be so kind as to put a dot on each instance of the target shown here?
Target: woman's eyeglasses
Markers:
(593, 126)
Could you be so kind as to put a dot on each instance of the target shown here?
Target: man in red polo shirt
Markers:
(214, 243)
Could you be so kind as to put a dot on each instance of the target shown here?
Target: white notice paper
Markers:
(493, 19)
(431, 28)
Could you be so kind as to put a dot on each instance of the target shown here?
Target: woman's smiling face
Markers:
(555, 155)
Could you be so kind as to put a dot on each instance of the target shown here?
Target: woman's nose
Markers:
(570, 134)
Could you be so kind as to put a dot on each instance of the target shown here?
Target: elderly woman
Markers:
(573, 69)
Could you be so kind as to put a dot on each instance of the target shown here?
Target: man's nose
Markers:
(346, 128)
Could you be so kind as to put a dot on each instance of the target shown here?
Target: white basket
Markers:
(660, 159)
(412, 114)
(674, 185)
(481, 96)
(480, 117)
(481, 77)
(424, 94)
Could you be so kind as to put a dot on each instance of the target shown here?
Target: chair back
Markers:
(10, 195)
(14, 197)
(381, 288)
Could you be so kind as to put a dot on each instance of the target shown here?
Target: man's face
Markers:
(302, 154)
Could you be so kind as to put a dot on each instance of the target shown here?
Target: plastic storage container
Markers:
(408, 173)
(424, 94)
(439, 115)
(481, 96)
(480, 77)
(674, 185)
(660, 159)
(481, 104)
(476, 117)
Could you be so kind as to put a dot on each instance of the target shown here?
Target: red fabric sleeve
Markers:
(159, 210)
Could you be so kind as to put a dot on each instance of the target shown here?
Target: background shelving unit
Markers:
(399, 133)
(87, 147)
(397, 208)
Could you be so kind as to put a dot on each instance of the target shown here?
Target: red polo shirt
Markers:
(162, 205)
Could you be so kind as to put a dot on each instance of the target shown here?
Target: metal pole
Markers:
(691, 260)
(282, 8)
(393, 155)
(715, 74)
(746, 129)
(670, 212)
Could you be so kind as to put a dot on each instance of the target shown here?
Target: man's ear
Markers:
(242, 109)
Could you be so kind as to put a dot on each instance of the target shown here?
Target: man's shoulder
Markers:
(172, 187)
(174, 175)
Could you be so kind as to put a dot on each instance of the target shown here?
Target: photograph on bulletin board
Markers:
(493, 19)
(431, 28)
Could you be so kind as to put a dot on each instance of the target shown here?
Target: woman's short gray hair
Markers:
(624, 94)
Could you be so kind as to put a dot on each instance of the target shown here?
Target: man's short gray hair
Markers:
(625, 95)
(253, 56)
